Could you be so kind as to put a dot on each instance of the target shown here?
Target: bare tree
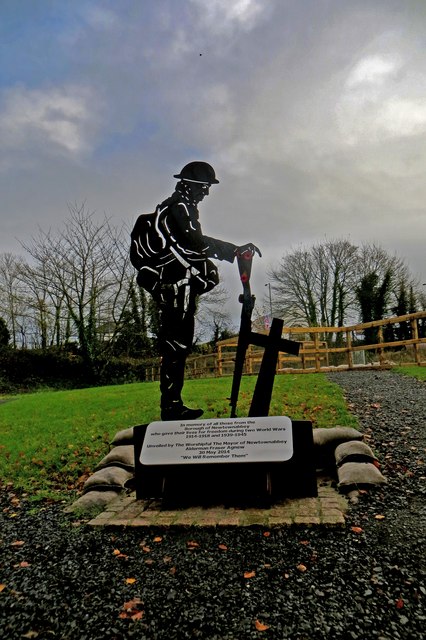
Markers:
(12, 304)
(40, 299)
(293, 281)
(84, 271)
(317, 285)
(314, 285)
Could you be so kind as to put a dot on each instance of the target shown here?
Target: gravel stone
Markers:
(65, 580)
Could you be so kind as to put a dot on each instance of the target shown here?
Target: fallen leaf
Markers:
(305, 542)
(30, 634)
(158, 539)
(260, 626)
(116, 552)
(137, 616)
(24, 564)
(132, 610)
(149, 561)
(146, 549)
(286, 576)
(2, 587)
(302, 568)
(399, 603)
(379, 517)
(223, 547)
(130, 580)
(266, 534)
(172, 570)
(167, 559)
(249, 574)
(192, 544)
(132, 604)
(377, 464)
(357, 529)
(17, 543)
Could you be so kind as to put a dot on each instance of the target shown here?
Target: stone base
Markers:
(327, 509)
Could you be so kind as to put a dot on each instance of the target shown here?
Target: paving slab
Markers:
(328, 509)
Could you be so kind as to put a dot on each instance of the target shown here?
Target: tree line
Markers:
(336, 283)
(75, 293)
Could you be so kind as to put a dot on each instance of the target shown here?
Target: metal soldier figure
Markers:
(172, 256)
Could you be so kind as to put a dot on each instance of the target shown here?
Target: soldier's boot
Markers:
(177, 411)
(171, 383)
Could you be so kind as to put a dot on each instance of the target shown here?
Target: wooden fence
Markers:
(330, 348)
(322, 349)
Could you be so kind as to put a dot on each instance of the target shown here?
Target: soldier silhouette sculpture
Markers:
(173, 259)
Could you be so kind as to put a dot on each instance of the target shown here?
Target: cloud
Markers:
(373, 70)
(224, 16)
(57, 120)
(382, 98)
(403, 117)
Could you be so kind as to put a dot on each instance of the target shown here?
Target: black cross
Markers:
(273, 344)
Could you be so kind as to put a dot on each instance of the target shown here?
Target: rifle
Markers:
(244, 261)
(272, 343)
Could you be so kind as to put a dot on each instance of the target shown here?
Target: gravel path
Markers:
(65, 580)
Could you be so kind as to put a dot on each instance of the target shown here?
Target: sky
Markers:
(312, 113)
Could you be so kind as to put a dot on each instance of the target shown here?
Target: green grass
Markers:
(50, 441)
(412, 370)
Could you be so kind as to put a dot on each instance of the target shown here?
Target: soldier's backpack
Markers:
(152, 251)
(148, 245)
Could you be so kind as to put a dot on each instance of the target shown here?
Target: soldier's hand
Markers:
(249, 247)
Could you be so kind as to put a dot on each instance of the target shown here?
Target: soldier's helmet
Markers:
(198, 172)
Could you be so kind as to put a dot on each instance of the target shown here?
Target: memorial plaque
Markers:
(265, 439)
(184, 463)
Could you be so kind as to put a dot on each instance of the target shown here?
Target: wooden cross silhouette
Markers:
(273, 344)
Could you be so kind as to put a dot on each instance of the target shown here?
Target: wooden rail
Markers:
(316, 351)
(316, 354)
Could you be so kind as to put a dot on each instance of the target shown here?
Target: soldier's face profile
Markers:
(199, 190)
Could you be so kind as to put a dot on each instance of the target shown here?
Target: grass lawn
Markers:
(50, 441)
(412, 370)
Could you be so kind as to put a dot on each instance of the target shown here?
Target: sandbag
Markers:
(333, 436)
(122, 456)
(353, 451)
(108, 478)
(125, 436)
(325, 442)
(359, 474)
(92, 500)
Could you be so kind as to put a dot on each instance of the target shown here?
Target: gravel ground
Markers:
(62, 579)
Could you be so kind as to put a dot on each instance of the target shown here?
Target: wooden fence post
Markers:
(381, 350)
(219, 361)
(415, 336)
(317, 355)
(349, 347)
